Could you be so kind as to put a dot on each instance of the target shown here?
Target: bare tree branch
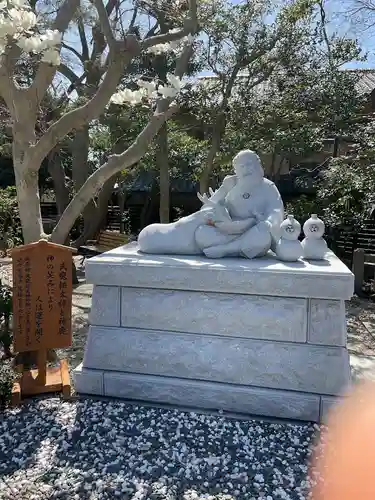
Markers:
(165, 38)
(114, 164)
(82, 36)
(151, 31)
(105, 24)
(129, 157)
(73, 51)
(133, 19)
(69, 74)
(119, 58)
(46, 72)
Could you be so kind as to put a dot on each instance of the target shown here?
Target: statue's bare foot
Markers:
(214, 252)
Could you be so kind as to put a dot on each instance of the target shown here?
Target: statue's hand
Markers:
(205, 199)
(234, 227)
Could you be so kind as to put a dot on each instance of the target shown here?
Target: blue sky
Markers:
(340, 22)
(343, 23)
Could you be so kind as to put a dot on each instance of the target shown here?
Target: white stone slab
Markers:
(327, 322)
(273, 318)
(276, 365)
(213, 396)
(125, 266)
(88, 381)
(105, 308)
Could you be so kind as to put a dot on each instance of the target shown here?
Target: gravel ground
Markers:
(93, 449)
(89, 449)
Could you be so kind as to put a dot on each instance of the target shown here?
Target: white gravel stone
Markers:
(101, 450)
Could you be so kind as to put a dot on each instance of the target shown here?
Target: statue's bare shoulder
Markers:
(229, 182)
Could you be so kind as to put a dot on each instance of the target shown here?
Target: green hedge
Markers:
(7, 372)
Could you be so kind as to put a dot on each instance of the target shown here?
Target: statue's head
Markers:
(247, 164)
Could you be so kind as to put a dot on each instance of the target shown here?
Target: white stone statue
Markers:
(241, 219)
(289, 248)
(314, 245)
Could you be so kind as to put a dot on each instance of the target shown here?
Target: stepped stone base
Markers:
(257, 337)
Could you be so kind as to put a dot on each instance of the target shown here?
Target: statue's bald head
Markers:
(247, 163)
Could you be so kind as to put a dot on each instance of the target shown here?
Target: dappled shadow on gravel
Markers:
(108, 449)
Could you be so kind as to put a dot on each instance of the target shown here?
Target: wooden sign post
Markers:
(42, 313)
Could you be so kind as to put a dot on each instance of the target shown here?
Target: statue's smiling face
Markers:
(247, 165)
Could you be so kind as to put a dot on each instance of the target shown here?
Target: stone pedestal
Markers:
(257, 336)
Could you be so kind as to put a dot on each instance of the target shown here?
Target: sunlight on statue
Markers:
(241, 219)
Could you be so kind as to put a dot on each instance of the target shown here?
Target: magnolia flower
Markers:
(51, 56)
(24, 20)
(132, 97)
(18, 3)
(136, 97)
(160, 48)
(175, 82)
(7, 27)
(51, 38)
(167, 92)
(150, 87)
(174, 30)
(32, 44)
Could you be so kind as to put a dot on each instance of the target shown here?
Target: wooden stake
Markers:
(42, 367)
(65, 378)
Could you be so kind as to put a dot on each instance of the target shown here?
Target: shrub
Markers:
(6, 336)
(302, 208)
(7, 378)
(7, 372)
(10, 223)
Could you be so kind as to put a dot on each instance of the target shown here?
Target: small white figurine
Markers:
(289, 248)
(314, 246)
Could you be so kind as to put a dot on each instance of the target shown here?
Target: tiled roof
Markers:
(366, 83)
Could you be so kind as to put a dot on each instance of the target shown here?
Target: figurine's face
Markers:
(314, 230)
(244, 167)
(290, 229)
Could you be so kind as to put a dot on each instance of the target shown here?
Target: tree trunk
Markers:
(80, 171)
(98, 213)
(163, 167)
(57, 172)
(114, 165)
(214, 148)
(218, 129)
(28, 202)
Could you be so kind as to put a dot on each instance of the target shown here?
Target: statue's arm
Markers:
(228, 183)
(236, 226)
(275, 207)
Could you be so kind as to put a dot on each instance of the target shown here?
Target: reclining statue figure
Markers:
(241, 219)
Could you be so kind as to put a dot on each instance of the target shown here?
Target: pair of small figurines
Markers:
(313, 247)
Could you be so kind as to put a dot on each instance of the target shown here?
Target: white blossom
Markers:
(175, 82)
(51, 38)
(18, 22)
(131, 97)
(149, 86)
(18, 3)
(23, 19)
(167, 91)
(51, 56)
(7, 27)
(160, 48)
